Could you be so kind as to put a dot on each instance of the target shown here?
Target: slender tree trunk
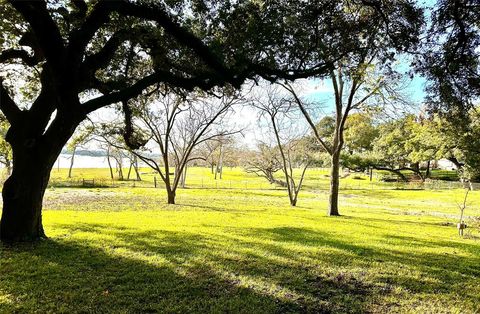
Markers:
(293, 199)
(334, 185)
(135, 167)
(120, 171)
(179, 173)
(427, 173)
(269, 177)
(71, 162)
(109, 163)
(220, 163)
(416, 170)
(184, 176)
(119, 167)
(129, 170)
(170, 196)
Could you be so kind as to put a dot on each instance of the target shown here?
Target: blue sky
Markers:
(415, 90)
(322, 90)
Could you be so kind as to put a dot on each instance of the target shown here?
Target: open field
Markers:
(244, 249)
(236, 178)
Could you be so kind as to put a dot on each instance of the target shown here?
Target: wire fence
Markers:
(209, 183)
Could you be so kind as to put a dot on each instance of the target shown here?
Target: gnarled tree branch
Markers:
(8, 106)
(21, 54)
(45, 30)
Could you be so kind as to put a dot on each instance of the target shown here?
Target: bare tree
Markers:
(207, 152)
(118, 156)
(109, 139)
(265, 163)
(219, 167)
(176, 125)
(81, 137)
(109, 162)
(225, 149)
(360, 86)
(133, 159)
(280, 112)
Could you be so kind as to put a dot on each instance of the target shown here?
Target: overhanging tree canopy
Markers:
(450, 59)
(76, 57)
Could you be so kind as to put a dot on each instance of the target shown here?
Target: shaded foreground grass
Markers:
(123, 251)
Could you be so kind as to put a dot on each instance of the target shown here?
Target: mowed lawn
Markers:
(123, 250)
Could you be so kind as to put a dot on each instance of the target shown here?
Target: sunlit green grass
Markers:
(123, 250)
(236, 178)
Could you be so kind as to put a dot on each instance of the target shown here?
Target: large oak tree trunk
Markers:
(34, 155)
(24, 190)
(22, 203)
(334, 186)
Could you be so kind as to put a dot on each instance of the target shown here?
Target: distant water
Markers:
(81, 161)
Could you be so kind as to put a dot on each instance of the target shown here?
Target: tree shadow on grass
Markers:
(159, 271)
(218, 208)
(386, 221)
(56, 276)
(443, 274)
(249, 270)
(381, 194)
(448, 271)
